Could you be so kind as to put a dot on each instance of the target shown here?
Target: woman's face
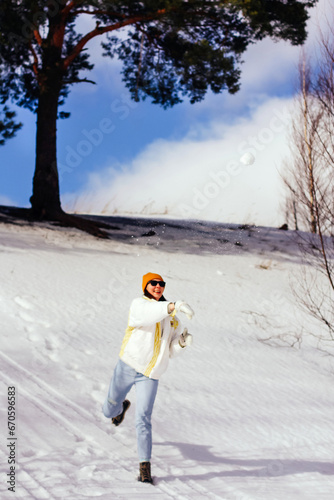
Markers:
(156, 290)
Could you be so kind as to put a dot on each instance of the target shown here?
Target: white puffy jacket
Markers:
(151, 338)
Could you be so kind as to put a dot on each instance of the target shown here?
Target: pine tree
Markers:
(173, 49)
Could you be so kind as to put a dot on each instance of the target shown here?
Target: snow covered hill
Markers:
(235, 418)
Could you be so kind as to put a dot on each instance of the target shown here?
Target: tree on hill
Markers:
(304, 168)
(170, 49)
(310, 182)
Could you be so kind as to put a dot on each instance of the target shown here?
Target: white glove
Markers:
(185, 308)
(186, 338)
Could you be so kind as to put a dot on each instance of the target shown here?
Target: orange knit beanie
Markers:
(150, 276)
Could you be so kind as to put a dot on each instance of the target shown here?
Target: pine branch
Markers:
(69, 7)
(107, 29)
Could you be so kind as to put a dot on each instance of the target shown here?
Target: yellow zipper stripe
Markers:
(128, 333)
(157, 343)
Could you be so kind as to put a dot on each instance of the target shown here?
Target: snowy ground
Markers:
(235, 418)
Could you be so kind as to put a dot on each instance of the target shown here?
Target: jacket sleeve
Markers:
(147, 312)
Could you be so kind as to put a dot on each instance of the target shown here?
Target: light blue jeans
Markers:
(123, 379)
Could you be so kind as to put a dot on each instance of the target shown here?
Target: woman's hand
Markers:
(186, 338)
(171, 307)
(183, 307)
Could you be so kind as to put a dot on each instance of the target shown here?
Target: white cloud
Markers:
(200, 176)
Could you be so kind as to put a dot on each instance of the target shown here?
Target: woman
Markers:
(153, 335)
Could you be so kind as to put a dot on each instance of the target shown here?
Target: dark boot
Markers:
(119, 419)
(145, 473)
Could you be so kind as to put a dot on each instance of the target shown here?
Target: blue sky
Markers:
(117, 156)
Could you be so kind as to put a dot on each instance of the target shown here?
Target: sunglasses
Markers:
(155, 283)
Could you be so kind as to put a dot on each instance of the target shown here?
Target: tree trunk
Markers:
(45, 200)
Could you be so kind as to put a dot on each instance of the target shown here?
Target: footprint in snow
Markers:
(99, 386)
(30, 319)
(23, 302)
(26, 306)
(73, 366)
(79, 439)
(86, 471)
(34, 336)
(54, 357)
(52, 343)
(38, 363)
(27, 453)
(98, 392)
(26, 317)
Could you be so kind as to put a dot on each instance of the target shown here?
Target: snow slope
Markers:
(235, 419)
